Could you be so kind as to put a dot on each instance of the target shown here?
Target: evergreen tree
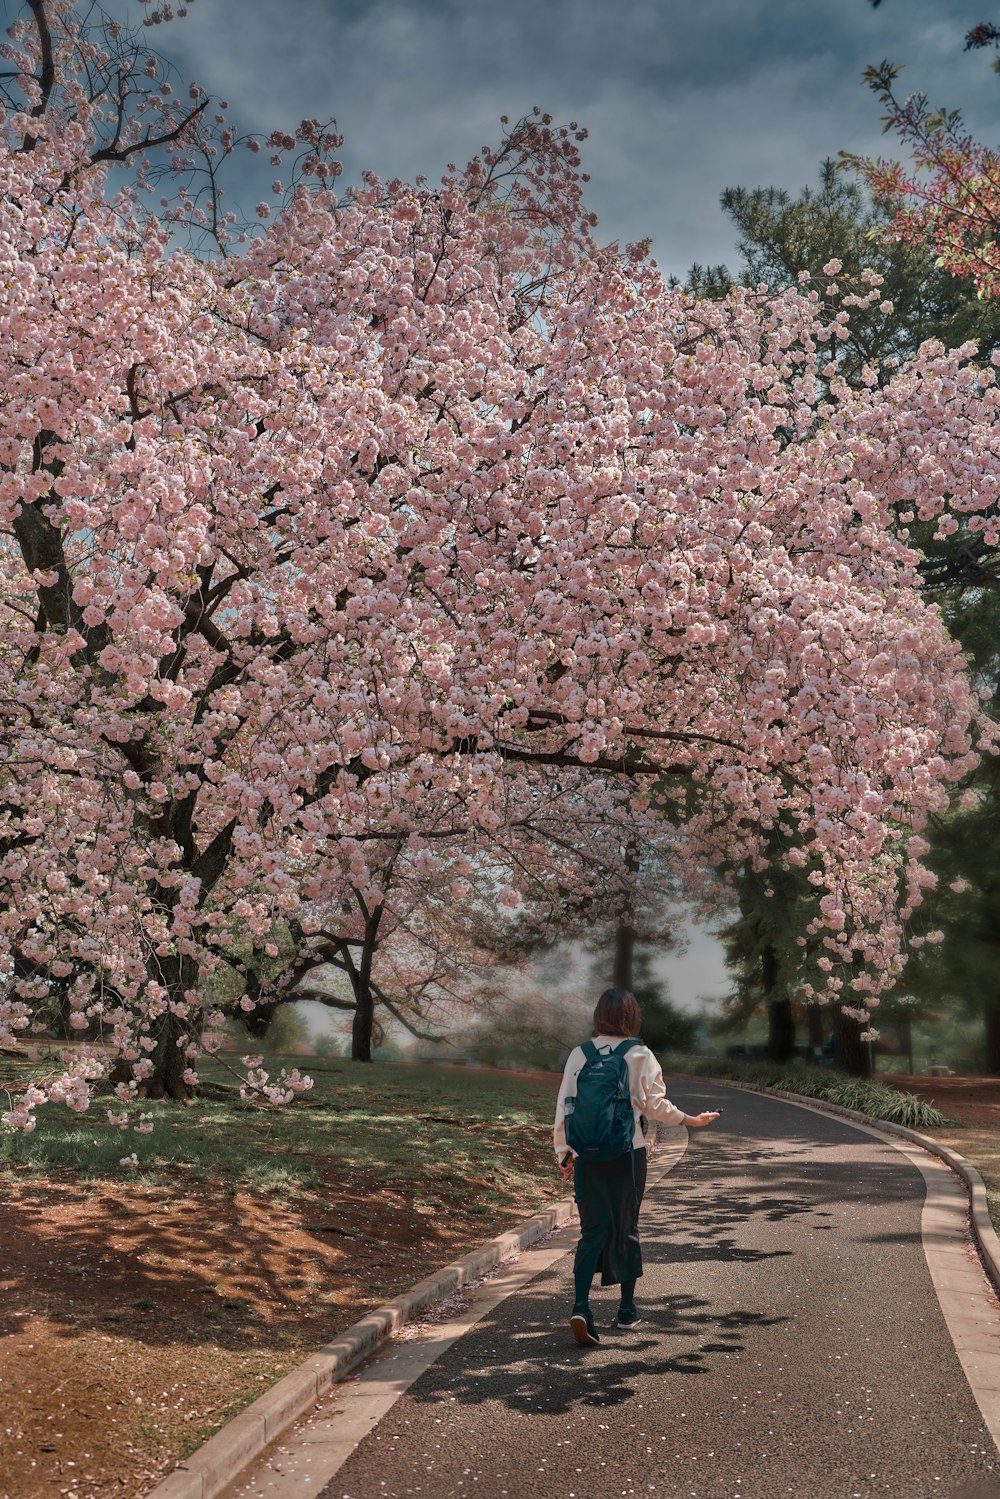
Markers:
(665, 1028)
(781, 236)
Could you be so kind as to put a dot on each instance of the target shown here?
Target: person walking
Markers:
(608, 1084)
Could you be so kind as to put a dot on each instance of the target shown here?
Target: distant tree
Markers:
(665, 1027)
(782, 237)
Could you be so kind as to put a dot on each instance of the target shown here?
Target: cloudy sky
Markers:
(681, 97)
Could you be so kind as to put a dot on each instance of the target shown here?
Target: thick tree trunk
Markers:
(852, 1054)
(363, 1026)
(363, 1023)
(780, 1030)
(624, 955)
(814, 1022)
(780, 1020)
(991, 1020)
(169, 1062)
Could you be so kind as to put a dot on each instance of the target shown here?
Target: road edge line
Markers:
(221, 1459)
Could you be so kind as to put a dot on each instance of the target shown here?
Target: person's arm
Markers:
(570, 1074)
(653, 1100)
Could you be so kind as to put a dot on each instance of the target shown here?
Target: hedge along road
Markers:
(791, 1343)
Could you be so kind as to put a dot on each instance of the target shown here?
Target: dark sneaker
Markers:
(628, 1316)
(584, 1331)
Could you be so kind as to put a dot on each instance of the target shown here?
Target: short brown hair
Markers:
(617, 1013)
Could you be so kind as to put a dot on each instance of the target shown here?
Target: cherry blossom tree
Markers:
(412, 497)
(458, 909)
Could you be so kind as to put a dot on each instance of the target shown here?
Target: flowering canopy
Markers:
(307, 546)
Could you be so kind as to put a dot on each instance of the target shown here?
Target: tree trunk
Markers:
(624, 955)
(780, 1020)
(363, 1025)
(780, 1030)
(906, 1039)
(814, 1022)
(625, 933)
(169, 1062)
(852, 1055)
(991, 1019)
(257, 1022)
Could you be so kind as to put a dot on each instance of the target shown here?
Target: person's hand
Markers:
(566, 1172)
(697, 1120)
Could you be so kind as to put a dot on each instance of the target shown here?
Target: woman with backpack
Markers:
(608, 1084)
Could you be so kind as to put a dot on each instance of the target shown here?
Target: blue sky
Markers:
(681, 99)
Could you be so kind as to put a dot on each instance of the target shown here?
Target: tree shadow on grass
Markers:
(240, 1271)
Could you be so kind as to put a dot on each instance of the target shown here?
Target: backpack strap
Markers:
(623, 1046)
(590, 1051)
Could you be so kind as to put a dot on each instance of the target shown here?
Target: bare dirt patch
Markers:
(972, 1101)
(137, 1317)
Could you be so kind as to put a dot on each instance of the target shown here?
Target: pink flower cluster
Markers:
(422, 521)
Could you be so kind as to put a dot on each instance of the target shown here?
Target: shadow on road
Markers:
(543, 1375)
(719, 1206)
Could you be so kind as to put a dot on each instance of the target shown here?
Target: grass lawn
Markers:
(141, 1308)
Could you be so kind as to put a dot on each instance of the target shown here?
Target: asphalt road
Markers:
(791, 1344)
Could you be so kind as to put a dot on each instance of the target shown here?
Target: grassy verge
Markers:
(981, 1148)
(426, 1127)
(150, 1303)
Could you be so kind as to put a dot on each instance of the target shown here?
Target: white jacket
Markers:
(649, 1096)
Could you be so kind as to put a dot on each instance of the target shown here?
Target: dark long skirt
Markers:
(608, 1195)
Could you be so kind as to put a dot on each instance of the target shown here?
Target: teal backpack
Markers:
(600, 1121)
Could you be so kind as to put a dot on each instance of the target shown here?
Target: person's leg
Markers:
(593, 1231)
(627, 1312)
(588, 1252)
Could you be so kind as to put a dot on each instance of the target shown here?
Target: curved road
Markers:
(791, 1344)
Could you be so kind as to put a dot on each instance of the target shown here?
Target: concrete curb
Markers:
(220, 1460)
(985, 1235)
(215, 1464)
